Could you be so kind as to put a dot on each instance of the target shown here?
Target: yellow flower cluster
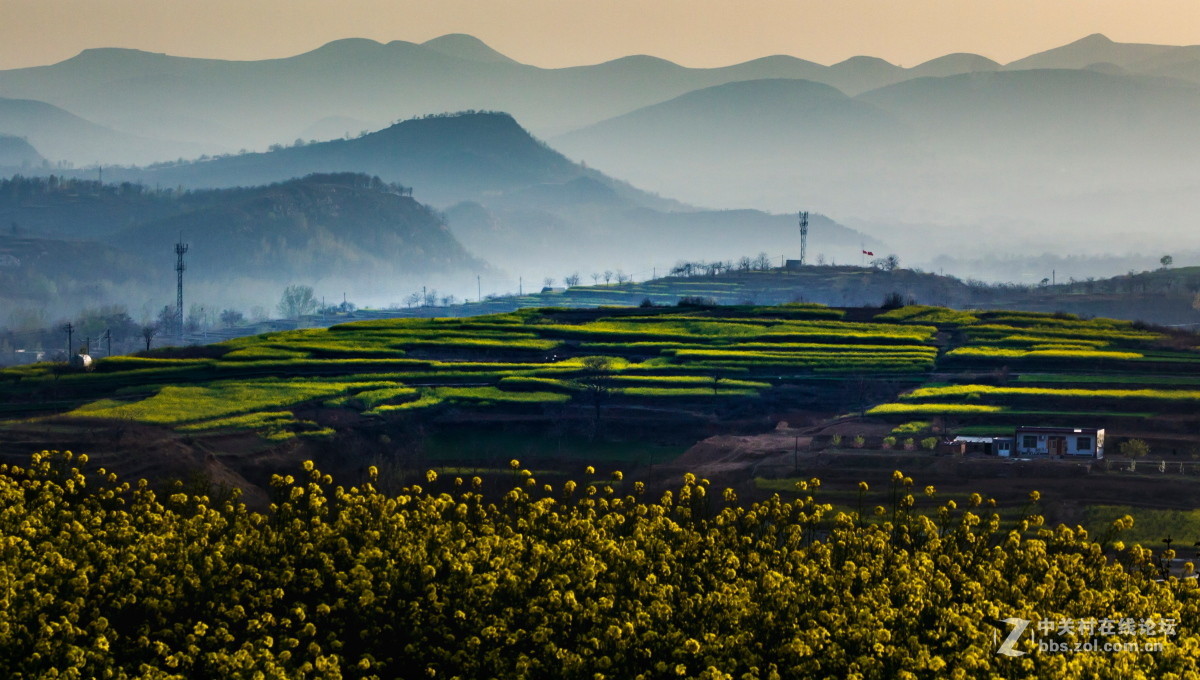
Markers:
(102, 579)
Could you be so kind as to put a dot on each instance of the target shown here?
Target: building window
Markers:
(1083, 444)
(1029, 441)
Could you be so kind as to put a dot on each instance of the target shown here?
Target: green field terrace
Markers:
(975, 369)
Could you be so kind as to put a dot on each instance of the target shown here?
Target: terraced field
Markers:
(975, 368)
(1007, 367)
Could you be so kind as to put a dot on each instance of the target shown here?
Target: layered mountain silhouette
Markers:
(444, 158)
(515, 201)
(1033, 158)
(223, 106)
(1065, 148)
(58, 134)
(752, 139)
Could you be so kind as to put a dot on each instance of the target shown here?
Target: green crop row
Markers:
(684, 392)
(269, 421)
(1025, 339)
(263, 352)
(1002, 353)
(1050, 392)
(495, 394)
(481, 343)
(536, 384)
(682, 380)
(932, 409)
(929, 315)
(174, 405)
(991, 331)
(1106, 378)
(368, 399)
(1059, 321)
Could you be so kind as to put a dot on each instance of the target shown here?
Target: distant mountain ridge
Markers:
(221, 106)
(445, 158)
(530, 204)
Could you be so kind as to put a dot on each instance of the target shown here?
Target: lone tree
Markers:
(572, 280)
(1166, 261)
(148, 333)
(594, 385)
(297, 301)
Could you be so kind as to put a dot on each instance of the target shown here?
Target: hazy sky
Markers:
(570, 32)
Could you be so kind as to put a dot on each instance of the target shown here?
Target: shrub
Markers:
(929, 443)
(889, 442)
(1134, 448)
(859, 441)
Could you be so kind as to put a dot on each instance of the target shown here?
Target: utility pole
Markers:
(520, 285)
(87, 344)
(478, 290)
(803, 236)
(108, 340)
(70, 331)
(180, 249)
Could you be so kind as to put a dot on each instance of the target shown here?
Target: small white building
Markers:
(81, 362)
(1060, 442)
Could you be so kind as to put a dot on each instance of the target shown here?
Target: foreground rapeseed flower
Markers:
(100, 578)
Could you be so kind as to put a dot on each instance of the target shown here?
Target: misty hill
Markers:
(348, 232)
(1058, 110)
(466, 47)
(1088, 152)
(1028, 161)
(17, 152)
(319, 226)
(444, 158)
(224, 106)
(1094, 49)
(768, 141)
(953, 64)
(59, 135)
(39, 276)
(530, 208)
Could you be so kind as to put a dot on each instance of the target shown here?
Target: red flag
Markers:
(867, 252)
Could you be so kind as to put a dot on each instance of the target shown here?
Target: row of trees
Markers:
(762, 262)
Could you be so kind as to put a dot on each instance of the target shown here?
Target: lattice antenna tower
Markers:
(803, 236)
(180, 249)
